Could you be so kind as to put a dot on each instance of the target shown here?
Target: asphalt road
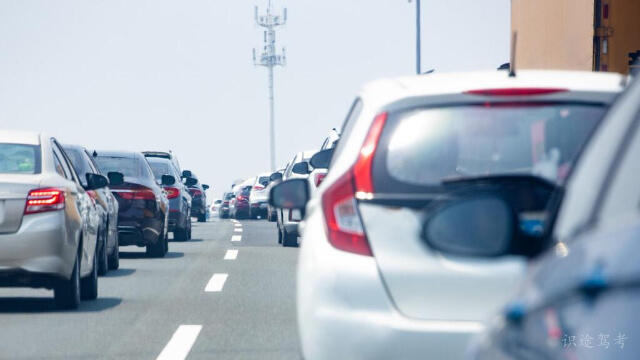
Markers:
(180, 306)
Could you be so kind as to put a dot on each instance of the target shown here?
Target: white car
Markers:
(319, 173)
(288, 220)
(259, 197)
(368, 286)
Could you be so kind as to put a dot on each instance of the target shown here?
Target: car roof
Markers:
(387, 90)
(159, 154)
(20, 137)
(124, 154)
(308, 154)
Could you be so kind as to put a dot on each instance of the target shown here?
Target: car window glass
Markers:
(623, 195)
(80, 163)
(128, 166)
(19, 158)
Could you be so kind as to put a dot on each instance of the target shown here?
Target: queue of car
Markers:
(65, 210)
(450, 198)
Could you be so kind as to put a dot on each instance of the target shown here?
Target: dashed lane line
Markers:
(181, 342)
(236, 238)
(231, 254)
(216, 283)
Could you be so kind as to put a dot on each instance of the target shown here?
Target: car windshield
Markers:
(160, 167)
(128, 166)
(19, 159)
(426, 146)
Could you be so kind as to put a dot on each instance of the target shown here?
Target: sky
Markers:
(165, 74)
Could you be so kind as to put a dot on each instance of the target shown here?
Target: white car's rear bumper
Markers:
(344, 311)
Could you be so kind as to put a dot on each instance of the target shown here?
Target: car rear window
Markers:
(80, 163)
(19, 159)
(263, 180)
(246, 190)
(128, 166)
(160, 167)
(227, 196)
(423, 147)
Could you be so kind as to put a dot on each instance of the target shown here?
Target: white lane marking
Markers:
(231, 254)
(237, 230)
(234, 220)
(216, 283)
(236, 238)
(238, 225)
(181, 342)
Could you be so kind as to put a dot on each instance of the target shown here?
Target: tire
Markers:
(279, 235)
(89, 285)
(114, 258)
(157, 250)
(202, 218)
(289, 240)
(103, 261)
(189, 229)
(180, 234)
(271, 216)
(67, 292)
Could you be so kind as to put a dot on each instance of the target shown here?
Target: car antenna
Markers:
(512, 62)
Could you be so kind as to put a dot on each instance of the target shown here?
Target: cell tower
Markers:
(269, 58)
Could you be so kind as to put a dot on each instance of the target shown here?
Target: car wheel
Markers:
(103, 261)
(114, 258)
(157, 249)
(279, 235)
(202, 218)
(189, 229)
(289, 240)
(89, 285)
(180, 234)
(67, 292)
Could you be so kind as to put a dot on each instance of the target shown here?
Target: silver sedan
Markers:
(48, 222)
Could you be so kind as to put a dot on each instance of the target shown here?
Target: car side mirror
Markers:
(205, 186)
(96, 181)
(276, 176)
(186, 174)
(301, 168)
(322, 159)
(191, 181)
(115, 178)
(290, 194)
(168, 180)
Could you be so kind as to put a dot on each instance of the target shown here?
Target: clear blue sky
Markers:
(166, 74)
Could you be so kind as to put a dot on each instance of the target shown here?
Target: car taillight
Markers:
(172, 192)
(258, 187)
(241, 197)
(136, 194)
(515, 91)
(318, 179)
(225, 203)
(42, 200)
(195, 192)
(340, 206)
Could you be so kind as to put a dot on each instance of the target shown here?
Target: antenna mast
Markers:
(269, 59)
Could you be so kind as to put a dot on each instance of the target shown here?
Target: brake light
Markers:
(42, 200)
(225, 203)
(515, 91)
(172, 192)
(339, 204)
(241, 197)
(258, 187)
(318, 179)
(362, 168)
(344, 227)
(136, 194)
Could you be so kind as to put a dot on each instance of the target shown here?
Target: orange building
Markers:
(600, 35)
